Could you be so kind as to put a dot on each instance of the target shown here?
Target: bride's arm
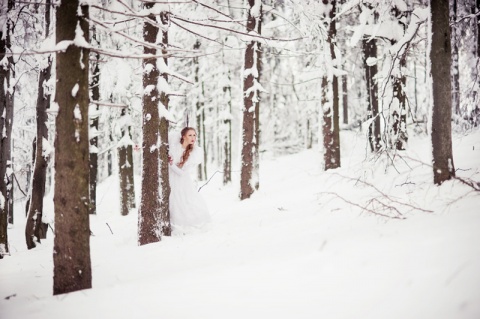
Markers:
(177, 170)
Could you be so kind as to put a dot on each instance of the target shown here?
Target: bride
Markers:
(187, 207)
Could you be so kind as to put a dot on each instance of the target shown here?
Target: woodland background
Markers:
(257, 79)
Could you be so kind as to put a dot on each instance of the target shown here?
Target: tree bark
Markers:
(455, 65)
(374, 132)
(154, 216)
(227, 145)
(331, 121)
(249, 180)
(125, 169)
(399, 115)
(34, 226)
(95, 85)
(200, 114)
(344, 80)
(71, 257)
(7, 90)
(164, 170)
(440, 58)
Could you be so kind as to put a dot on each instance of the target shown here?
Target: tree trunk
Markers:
(71, 257)
(227, 145)
(440, 58)
(154, 200)
(455, 67)
(249, 181)
(34, 226)
(399, 114)
(95, 85)
(331, 122)
(475, 8)
(371, 70)
(398, 117)
(7, 90)
(344, 79)
(164, 170)
(125, 169)
(200, 114)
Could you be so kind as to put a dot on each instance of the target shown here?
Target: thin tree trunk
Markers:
(125, 169)
(345, 98)
(200, 113)
(7, 72)
(440, 58)
(71, 257)
(164, 170)
(475, 4)
(94, 126)
(249, 181)
(371, 70)
(227, 146)
(344, 78)
(331, 121)
(399, 116)
(34, 226)
(455, 66)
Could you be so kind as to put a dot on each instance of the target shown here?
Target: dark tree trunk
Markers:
(7, 89)
(95, 85)
(344, 79)
(249, 181)
(71, 257)
(331, 121)
(125, 164)
(200, 114)
(345, 98)
(440, 58)
(227, 145)
(399, 116)
(164, 171)
(34, 226)
(455, 67)
(151, 223)
(374, 132)
(477, 21)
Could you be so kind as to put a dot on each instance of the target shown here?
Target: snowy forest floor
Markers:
(301, 247)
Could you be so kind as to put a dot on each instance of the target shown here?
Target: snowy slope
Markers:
(299, 248)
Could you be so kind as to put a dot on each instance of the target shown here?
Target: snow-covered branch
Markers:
(250, 34)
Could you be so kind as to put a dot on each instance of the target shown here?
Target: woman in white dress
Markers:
(187, 207)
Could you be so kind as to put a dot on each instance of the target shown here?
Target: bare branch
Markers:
(166, 2)
(255, 36)
(199, 35)
(143, 43)
(383, 194)
(361, 207)
(100, 103)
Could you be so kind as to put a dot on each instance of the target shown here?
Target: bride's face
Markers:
(190, 137)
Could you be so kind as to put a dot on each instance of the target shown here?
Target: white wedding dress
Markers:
(187, 207)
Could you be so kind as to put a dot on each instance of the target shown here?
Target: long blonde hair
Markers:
(189, 148)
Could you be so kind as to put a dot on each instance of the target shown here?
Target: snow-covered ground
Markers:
(299, 248)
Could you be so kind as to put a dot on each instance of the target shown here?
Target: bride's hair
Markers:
(189, 149)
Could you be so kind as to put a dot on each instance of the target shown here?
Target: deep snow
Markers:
(294, 250)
